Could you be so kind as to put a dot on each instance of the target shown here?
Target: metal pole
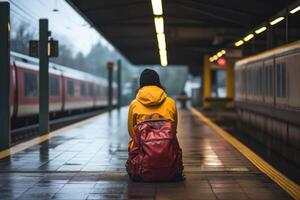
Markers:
(44, 77)
(110, 88)
(5, 76)
(119, 83)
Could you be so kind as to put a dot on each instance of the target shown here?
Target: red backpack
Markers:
(155, 155)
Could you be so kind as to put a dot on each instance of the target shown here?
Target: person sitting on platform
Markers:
(152, 124)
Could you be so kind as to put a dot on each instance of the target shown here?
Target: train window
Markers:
(268, 77)
(249, 85)
(281, 80)
(278, 93)
(249, 81)
(82, 89)
(259, 76)
(30, 82)
(254, 81)
(243, 80)
(70, 88)
(91, 90)
(54, 86)
(270, 80)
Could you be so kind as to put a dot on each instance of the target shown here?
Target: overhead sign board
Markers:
(53, 48)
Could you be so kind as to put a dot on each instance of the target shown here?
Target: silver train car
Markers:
(267, 92)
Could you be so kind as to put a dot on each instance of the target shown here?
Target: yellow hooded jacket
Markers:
(150, 99)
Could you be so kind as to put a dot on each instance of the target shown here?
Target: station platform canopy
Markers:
(192, 27)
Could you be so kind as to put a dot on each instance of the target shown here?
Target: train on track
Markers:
(70, 90)
(267, 94)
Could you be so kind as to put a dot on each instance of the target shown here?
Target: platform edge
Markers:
(292, 188)
(37, 140)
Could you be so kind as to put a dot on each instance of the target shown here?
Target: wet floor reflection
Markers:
(261, 143)
(87, 162)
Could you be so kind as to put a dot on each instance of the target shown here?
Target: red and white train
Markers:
(69, 89)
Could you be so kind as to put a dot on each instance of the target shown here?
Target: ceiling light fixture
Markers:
(161, 41)
(248, 37)
(293, 11)
(159, 28)
(275, 21)
(161, 38)
(239, 43)
(260, 30)
(159, 24)
(163, 57)
(157, 7)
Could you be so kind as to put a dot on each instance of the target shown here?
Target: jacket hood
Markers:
(151, 95)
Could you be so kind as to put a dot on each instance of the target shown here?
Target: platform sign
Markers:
(53, 48)
(34, 48)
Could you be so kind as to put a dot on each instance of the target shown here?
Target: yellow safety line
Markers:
(288, 185)
(20, 147)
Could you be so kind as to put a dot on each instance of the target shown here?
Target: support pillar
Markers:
(119, 79)
(110, 67)
(230, 85)
(206, 82)
(43, 78)
(5, 129)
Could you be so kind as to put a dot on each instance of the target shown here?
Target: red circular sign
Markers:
(221, 62)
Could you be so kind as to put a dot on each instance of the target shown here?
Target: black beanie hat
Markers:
(149, 77)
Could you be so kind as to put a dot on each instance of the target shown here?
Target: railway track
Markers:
(24, 133)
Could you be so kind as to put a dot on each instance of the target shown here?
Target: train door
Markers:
(269, 81)
(281, 87)
(293, 81)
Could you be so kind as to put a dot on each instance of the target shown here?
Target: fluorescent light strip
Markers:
(161, 41)
(162, 44)
(239, 43)
(248, 37)
(260, 30)
(159, 24)
(295, 10)
(162, 49)
(279, 19)
(157, 7)
(163, 57)
(159, 27)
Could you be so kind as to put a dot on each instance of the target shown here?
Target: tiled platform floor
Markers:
(87, 162)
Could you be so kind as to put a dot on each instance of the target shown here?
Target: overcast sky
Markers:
(66, 24)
